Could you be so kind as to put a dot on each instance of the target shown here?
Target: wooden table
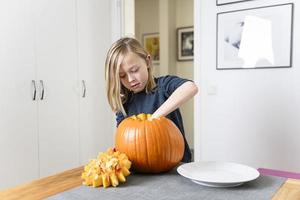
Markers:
(45, 187)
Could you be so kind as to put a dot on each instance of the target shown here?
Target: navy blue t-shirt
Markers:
(143, 102)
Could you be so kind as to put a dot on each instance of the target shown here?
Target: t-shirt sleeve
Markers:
(119, 117)
(171, 83)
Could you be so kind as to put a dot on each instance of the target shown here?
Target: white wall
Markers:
(184, 18)
(254, 116)
(146, 20)
(167, 37)
(129, 18)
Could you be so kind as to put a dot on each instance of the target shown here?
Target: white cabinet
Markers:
(57, 47)
(56, 60)
(96, 124)
(18, 112)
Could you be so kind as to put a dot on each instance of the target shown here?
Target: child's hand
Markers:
(153, 117)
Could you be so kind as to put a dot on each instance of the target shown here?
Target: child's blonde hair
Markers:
(116, 93)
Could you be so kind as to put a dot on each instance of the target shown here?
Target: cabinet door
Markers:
(94, 36)
(18, 111)
(57, 67)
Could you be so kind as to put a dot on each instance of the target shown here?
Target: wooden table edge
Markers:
(51, 185)
(45, 187)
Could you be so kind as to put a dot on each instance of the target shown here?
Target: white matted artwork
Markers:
(225, 2)
(255, 38)
(151, 45)
(185, 43)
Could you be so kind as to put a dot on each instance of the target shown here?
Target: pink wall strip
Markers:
(272, 172)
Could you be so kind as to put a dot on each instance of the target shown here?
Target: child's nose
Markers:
(130, 78)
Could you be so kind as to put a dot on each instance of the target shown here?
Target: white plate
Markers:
(218, 174)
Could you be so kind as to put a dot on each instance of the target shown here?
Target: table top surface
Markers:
(48, 186)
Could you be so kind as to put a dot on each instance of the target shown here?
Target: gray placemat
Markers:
(171, 186)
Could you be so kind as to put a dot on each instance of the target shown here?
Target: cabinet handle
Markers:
(84, 89)
(34, 90)
(42, 92)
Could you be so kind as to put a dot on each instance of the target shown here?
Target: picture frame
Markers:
(260, 37)
(151, 44)
(185, 43)
(226, 2)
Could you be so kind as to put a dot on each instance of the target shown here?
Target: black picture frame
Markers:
(185, 43)
(237, 53)
(230, 2)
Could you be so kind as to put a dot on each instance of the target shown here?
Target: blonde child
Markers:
(132, 89)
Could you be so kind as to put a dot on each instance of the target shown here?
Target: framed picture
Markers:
(151, 44)
(225, 2)
(255, 38)
(185, 43)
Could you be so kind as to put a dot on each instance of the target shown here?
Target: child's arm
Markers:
(181, 95)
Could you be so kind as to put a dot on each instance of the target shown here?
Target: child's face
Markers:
(134, 72)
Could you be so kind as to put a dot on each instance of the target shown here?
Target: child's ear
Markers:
(148, 59)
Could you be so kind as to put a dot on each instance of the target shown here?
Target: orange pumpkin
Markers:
(153, 146)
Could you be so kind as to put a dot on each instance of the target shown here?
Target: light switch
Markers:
(212, 90)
